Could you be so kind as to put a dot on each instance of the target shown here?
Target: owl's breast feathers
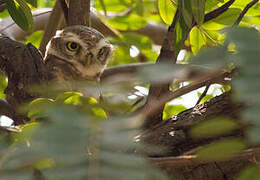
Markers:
(62, 70)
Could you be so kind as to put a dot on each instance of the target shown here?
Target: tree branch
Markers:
(167, 54)
(53, 23)
(172, 136)
(187, 160)
(79, 12)
(31, 72)
(204, 93)
(41, 16)
(65, 9)
(217, 12)
(248, 6)
(213, 77)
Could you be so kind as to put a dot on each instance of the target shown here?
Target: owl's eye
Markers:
(72, 46)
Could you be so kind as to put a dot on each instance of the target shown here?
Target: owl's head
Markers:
(83, 47)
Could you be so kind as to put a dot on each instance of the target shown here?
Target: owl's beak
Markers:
(88, 60)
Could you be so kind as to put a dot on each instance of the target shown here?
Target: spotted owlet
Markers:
(77, 53)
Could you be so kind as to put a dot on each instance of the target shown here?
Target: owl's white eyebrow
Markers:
(75, 38)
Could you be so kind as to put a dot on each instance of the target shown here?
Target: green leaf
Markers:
(35, 38)
(221, 150)
(181, 34)
(210, 5)
(166, 10)
(37, 108)
(205, 98)
(171, 110)
(32, 2)
(113, 5)
(4, 14)
(186, 12)
(228, 17)
(131, 22)
(102, 4)
(139, 8)
(213, 127)
(198, 8)
(21, 14)
(3, 84)
(197, 39)
(66, 95)
(241, 4)
(252, 172)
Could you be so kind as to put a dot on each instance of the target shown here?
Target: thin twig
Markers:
(214, 77)
(248, 6)
(203, 94)
(215, 13)
(183, 161)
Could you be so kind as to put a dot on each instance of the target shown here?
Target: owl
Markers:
(77, 53)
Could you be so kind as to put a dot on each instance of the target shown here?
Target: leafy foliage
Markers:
(84, 138)
(21, 14)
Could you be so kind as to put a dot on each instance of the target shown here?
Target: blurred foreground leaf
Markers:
(220, 150)
(213, 127)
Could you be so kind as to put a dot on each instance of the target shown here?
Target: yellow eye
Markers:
(72, 46)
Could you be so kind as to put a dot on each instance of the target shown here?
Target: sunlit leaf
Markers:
(64, 96)
(37, 108)
(4, 14)
(228, 17)
(167, 10)
(206, 97)
(171, 110)
(220, 150)
(102, 4)
(131, 22)
(32, 2)
(21, 14)
(197, 40)
(213, 127)
(113, 5)
(35, 38)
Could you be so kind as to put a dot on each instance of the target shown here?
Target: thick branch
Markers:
(172, 136)
(191, 167)
(167, 54)
(31, 71)
(78, 13)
